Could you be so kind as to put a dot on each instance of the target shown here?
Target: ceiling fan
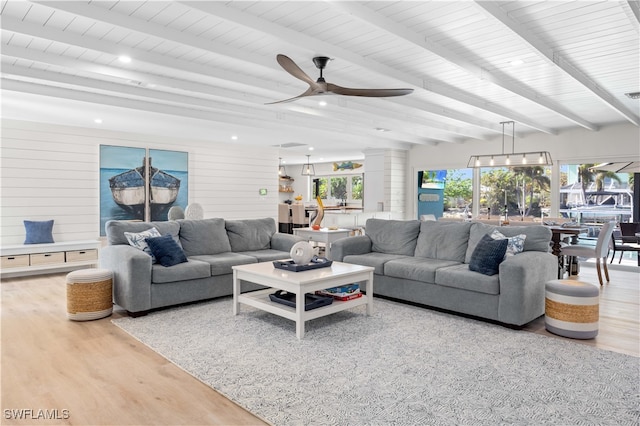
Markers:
(321, 87)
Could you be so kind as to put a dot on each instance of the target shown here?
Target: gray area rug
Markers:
(404, 365)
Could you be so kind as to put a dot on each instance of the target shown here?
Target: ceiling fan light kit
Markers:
(512, 159)
(321, 87)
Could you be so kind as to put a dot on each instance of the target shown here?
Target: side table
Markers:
(323, 235)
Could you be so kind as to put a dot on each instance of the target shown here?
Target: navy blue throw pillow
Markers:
(488, 255)
(166, 251)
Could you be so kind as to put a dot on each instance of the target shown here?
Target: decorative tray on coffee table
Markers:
(311, 301)
(289, 265)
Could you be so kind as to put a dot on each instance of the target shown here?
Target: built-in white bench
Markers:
(31, 259)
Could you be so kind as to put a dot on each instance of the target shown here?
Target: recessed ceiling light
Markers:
(310, 148)
(124, 59)
(322, 103)
(234, 138)
(516, 62)
(382, 129)
(98, 120)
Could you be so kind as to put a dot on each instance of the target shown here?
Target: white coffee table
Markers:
(300, 283)
(322, 235)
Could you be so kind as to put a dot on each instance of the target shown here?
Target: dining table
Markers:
(558, 232)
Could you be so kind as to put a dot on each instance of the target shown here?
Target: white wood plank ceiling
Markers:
(205, 69)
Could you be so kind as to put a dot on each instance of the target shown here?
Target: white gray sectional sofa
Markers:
(428, 263)
(212, 247)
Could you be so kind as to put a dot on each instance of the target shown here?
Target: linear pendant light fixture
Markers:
(513, 159)
(308, 169)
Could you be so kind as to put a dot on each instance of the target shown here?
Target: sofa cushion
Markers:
(115, 229)
(221, 263)
(377, 260)
(203, 236)
(393, 236)
(267, 255)
(416, 268)
(190, 270)
(166, 251)
(538, 236)
(488, 255)
(443, 240)
(459, 276)
(250, 234)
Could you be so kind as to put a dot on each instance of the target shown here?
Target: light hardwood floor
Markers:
(97, 372)
(103, 376)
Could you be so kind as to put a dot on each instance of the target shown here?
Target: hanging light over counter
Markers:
(281, 169)
(308, 169)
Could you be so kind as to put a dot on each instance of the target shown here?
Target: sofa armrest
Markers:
(522, 286)
(131, 276)
(346, 246)
(284, 242)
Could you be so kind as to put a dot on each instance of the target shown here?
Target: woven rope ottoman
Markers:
(572, 309)
(89, 294)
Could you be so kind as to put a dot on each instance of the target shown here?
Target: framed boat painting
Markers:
(169, 184)
(141, 184)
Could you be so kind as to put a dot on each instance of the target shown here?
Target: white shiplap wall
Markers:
(52, 172)
(385, 180)
(395, 185)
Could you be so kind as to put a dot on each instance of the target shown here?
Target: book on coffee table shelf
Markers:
(338, 297)
(345, 292)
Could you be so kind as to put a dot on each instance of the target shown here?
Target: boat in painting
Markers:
(128, 190)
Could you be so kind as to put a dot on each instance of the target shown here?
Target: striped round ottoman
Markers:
(89, 294)
(572, 309)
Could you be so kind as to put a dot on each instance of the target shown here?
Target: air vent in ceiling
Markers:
(289, 145)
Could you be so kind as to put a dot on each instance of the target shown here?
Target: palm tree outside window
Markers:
(595, 196)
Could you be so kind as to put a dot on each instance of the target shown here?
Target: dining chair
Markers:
(618, 245)
(629, 231)
(600, 251)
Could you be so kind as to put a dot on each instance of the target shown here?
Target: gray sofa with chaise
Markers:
(211, 246)
(428, 263)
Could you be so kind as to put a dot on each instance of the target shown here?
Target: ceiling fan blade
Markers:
(374, 93)
(293, 69)
(308, 92)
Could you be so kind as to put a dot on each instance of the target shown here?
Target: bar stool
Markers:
(284, 218)
(298, 216)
